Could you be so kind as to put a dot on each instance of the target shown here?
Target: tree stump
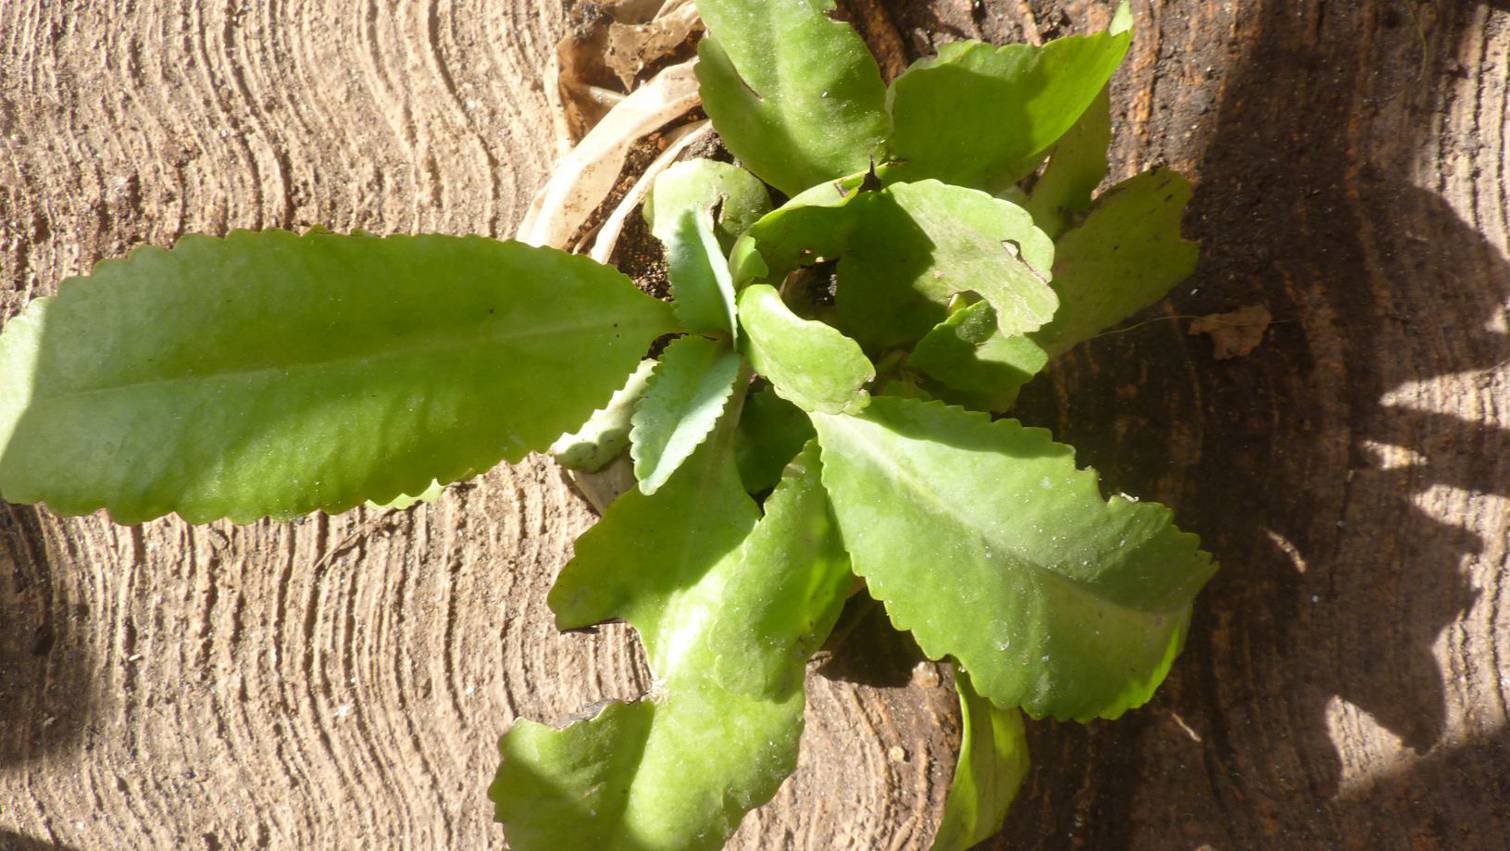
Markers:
(341, 682)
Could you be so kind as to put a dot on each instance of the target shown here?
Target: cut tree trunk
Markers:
(341, 682)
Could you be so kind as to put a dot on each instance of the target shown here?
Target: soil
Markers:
(341, 682)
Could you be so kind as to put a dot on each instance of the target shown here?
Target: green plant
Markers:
(824, 412)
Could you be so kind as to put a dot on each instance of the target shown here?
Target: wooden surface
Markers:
(340, 682)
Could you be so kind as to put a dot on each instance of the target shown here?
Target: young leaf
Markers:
(1127, 255)
(702, 291)
(281, 374)
(972, 364)
(985, 541)
(919, 244)
(808, 363)
(680, 214)
(771, 432)
(795, 94)
(703, 184)
(904, 251)
(993, 761)
(727, 627)
(686, 395)
(1075, 169)
(983, 116)
(818, 223)
(605, 435)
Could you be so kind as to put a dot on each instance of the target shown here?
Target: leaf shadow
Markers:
(1314, 468)
(18, 842)
(46, 696)
(865, 649)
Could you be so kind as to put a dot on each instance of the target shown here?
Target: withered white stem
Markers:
(585, 176)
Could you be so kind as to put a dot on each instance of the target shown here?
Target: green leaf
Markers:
(406, 501)
(972, 364)
(794, 94)
(817, 224)
(738, 196)
(680, 213)
(778, 604)
(701, 289)
(809, 364)
(919, 244)
(985, 541)
(904, 252)
(686, 395)
(993, 762)
(1127, 255)
(1075, 169)
(983, 116)
(605, 435)
(728, 617)
(269, 373)
(771, 432)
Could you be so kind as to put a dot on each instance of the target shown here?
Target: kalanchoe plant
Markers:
(828, 409)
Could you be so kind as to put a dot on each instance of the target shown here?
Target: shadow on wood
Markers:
(1340, 507)
(46, 692)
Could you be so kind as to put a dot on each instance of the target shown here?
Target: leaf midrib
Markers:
(914, 484)
(423, 346)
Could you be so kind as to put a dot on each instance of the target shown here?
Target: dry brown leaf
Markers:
(632, 48)
(1234, 334)
(586, 176)
(607, 51)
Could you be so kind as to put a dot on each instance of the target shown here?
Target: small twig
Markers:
(1179, 316)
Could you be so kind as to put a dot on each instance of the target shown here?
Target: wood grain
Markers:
(340, 682)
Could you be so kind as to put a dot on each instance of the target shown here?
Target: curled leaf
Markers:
(808, 363)
(971, 363)
(993, 762)
(904, 252)
(605, 435)
(680, 212)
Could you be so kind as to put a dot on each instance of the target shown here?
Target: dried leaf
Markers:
(587, 175)
(1234, 334)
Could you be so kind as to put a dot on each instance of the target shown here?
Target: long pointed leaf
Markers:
(274, 374)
